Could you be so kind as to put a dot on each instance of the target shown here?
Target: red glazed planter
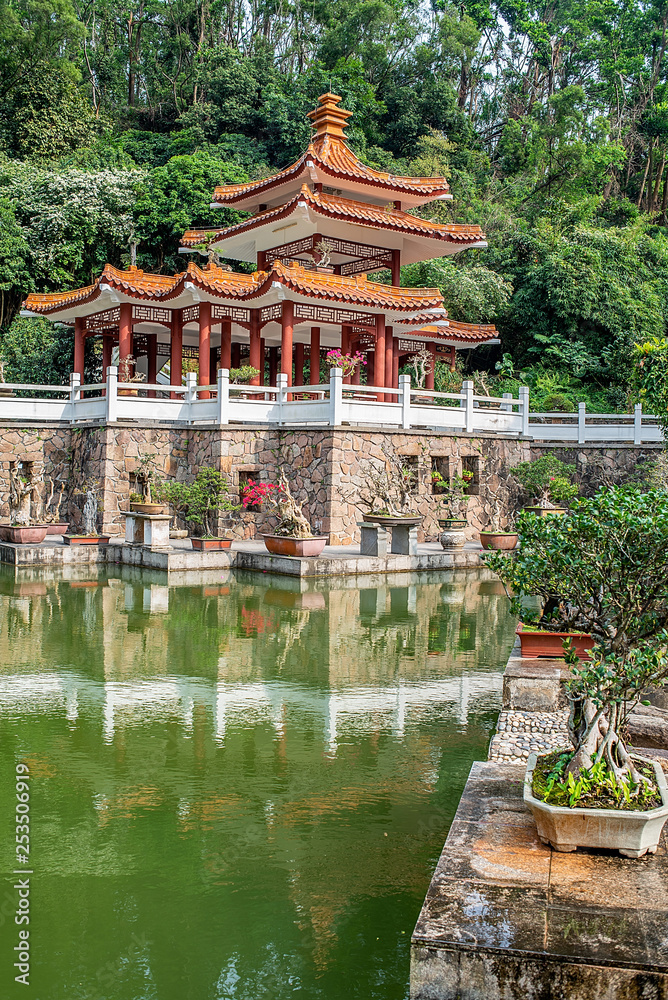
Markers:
(505, 540)
(203, 544)
(24, 535)
(86, 539)
(536, 644)
(58, 528)
(283, 545)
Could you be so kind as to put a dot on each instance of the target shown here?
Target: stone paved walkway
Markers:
(519, 733)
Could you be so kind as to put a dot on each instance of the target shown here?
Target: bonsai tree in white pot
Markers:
(602, 569)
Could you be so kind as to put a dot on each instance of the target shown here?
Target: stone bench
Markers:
(151, 530)
(374, 539)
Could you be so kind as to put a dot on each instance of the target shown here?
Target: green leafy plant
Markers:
(547, 480)
(454, 500)
(239, 376)
(201, 501)
(601, 569)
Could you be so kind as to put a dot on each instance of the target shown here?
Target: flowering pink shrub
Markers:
(253, 493)
(347, 362)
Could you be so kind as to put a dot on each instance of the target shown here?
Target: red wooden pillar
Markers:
(107, 348)
(396, 267)
(287, 327)
(370, 367)
(254, 359)
(355, 377)
(79, 339)
(395, 363)
(429, 381)
(263, 354)
(453, 358)
(226, 344)
(176, 351)
(262, 260)
(379, 367)
(124, 341)
(204, 346)
(213, 364)
(389, 353)
(299, 364)
(152, 352)
(273, 365)
(314, 356)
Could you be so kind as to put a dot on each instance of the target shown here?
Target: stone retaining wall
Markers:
(323, 465)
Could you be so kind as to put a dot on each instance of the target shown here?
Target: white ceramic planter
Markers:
(631, 832)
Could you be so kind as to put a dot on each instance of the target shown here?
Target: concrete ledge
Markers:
(507, 918)
(252, 556)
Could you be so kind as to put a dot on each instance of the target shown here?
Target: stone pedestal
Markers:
(404, 540)
(151, 530)
(374, 539)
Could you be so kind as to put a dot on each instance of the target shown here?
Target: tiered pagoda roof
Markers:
(329, 160)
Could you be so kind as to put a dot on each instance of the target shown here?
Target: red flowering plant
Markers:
(279, 502)
(346, 362)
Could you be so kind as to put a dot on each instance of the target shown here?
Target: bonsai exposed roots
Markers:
(594, 736)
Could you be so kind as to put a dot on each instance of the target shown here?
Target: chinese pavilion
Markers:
(316, 229)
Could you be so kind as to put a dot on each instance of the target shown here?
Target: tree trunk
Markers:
(644, 179)
(664, 201)
(659, 175)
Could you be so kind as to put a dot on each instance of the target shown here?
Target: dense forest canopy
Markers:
(550, 119)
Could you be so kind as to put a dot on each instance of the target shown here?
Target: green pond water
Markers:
(238, 791)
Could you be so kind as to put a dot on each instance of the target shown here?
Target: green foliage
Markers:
(602, 568)
(201, 501)
(597, 788)
(38, 352)
(547, 479)
(243, 374)
(650, 377)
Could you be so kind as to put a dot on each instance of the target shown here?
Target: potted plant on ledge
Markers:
(24, 507)
(454, 505)
(501, 496)
(292, 535)
(388, 493)
(201, 503)
(143, 503)
(603, 570)
(549, 482)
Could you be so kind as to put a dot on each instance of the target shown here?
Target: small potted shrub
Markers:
(25, 526)
(453, 505)
(603, 570)
(144, 503)
(501, 499)
(549, 483)
(388, 494)
(201, 503)
(292, 535)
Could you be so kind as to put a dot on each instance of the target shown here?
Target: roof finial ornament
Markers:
(328, 119)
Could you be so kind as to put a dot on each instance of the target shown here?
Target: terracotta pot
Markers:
(149, 508)
(283, 545)
(391, 522)
(58, 528)
(204, 544)
(31, 534)
(550, 643)
(86, 539)
(505, 540)
(632, 832)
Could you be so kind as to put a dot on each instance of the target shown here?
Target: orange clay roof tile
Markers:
(469, 333)
(334, 207)
(243, 287)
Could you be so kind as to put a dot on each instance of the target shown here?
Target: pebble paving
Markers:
(520, 733)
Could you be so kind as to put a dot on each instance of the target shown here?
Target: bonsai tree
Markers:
(422, 364)
(548, 481)
(388, 490)
(500, 497)
(454, 497)
(602, 569)
(145, 476)
(201, 501)
(278, 498)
